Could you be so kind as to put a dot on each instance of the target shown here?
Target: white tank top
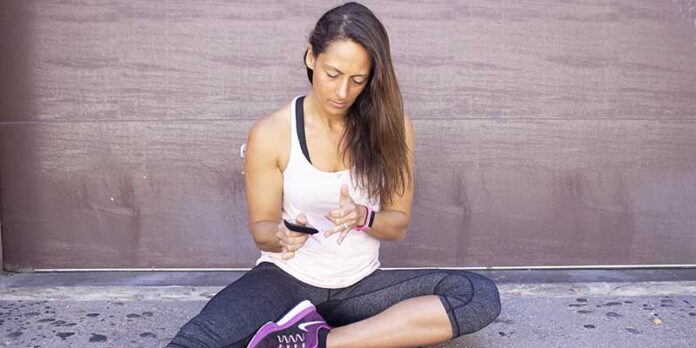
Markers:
(321, 261)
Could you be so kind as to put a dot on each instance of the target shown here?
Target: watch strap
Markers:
(369, 219)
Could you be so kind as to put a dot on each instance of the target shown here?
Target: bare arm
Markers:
(264, 185)
(391, 222)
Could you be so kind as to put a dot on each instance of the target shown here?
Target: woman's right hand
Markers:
(291, 240)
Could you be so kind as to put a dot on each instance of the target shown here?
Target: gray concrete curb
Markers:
(203, 293)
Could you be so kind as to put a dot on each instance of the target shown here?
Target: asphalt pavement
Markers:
(559, 308)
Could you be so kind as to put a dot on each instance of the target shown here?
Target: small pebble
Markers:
(97, 338)
(632, 330)
(65, 335)
(15, 334)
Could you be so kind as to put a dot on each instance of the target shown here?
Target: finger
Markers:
(282, 236)
(340, 227)
(295, 243)
(301, 219)
(287, 244)
(333, 230)
(288, 251)
(293, 234)
(328, 233)
(343, 226)
(337, 213)
(298, 239)
(342, 236)
(293, 237)
(330, 218)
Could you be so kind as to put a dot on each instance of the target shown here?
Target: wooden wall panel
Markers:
(548, 132)
(171, 194)
(134, 60)
(127, 194)
(552, 192)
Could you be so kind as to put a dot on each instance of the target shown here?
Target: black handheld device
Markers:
(299, 228)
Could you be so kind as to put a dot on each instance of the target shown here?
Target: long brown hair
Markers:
(374, 138)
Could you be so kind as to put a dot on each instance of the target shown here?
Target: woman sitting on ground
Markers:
(340, 160)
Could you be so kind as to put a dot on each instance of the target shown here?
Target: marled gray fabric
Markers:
(266, 292)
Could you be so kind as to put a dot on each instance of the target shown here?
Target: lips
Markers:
(339, 105)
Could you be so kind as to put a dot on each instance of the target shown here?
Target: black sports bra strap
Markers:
(299, 122)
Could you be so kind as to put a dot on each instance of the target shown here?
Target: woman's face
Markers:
(340, 74)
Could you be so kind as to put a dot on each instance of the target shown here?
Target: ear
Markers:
(309, 58)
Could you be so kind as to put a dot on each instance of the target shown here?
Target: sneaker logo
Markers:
(290, 339)
(304, 325)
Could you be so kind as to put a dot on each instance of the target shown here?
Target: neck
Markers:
(314, 112)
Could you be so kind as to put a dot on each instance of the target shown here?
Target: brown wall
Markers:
(548, 133)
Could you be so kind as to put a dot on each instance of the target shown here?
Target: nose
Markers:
(342, 90)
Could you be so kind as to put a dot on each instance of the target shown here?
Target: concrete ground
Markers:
(561, 308)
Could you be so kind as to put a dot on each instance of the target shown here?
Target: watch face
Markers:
(372, 219)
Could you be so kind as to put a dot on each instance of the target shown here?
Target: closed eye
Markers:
(354, 81)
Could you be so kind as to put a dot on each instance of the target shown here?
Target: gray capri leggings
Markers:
(266, 293)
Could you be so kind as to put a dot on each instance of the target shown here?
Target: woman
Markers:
(340, 160)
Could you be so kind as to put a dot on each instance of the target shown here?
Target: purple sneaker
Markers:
(299, 328)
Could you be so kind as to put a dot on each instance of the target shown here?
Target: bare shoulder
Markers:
(408, 129)
(408, 123)
(270, 135)
(272, 125)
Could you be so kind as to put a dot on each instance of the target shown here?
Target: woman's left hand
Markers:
(346, 217)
